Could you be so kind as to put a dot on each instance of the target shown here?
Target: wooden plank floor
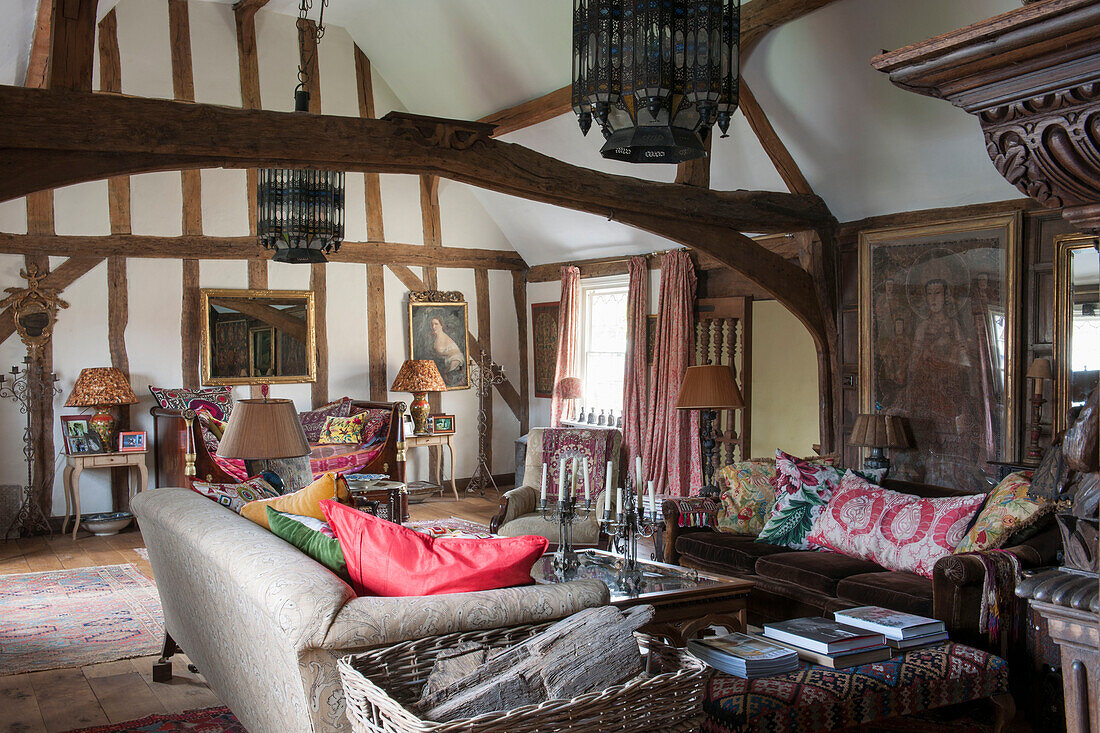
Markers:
(54, 701)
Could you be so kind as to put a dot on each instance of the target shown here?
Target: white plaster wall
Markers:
(153, 340)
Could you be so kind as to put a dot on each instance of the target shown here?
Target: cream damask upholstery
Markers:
(265, 623)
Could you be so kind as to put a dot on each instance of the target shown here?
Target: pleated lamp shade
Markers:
(709, 387)
(570, 388)
(261, 429)
(876, 430)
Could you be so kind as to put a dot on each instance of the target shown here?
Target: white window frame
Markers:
(593, 285)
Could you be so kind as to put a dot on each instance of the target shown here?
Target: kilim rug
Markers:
(209, 720)
(73, 618)
(450, 527)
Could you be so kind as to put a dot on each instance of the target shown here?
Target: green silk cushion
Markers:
(312, 536)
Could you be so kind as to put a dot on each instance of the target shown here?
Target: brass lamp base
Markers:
(419, 411)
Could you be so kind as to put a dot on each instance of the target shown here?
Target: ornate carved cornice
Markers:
(1032, 77)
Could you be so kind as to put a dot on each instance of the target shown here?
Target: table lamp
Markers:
(709, 388)
(263, 429)
(102, 387)
(876, 430)
(1038, 372)
(419, 376)
(570, 388)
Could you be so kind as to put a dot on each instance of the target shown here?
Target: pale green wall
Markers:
(784, 383)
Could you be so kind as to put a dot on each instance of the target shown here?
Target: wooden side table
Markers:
(417, 440)
(75, 464)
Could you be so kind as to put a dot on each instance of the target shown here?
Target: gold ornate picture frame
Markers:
(938, 344)
(1064, 387)
(438, 328)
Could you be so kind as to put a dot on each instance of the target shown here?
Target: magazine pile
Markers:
(903, 631)
(828, 643)
(742, 655)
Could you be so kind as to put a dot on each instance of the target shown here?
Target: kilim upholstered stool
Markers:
(817, 698)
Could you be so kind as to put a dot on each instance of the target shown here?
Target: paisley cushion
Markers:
(235, 496)
(217, 401)
(848, 524)
(914, 533)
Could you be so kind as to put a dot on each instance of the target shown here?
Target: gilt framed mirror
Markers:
(1076, 323)
(258, 337)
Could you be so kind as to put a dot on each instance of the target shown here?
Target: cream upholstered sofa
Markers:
(265, 623)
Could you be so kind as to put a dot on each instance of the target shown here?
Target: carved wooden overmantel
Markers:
(1032, 78)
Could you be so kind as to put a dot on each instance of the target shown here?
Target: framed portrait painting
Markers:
(544, 331)
(437, 331)
(937, 343)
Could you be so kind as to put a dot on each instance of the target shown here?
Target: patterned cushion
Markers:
(235, 496)
(802, 489)
(748, 494)
(217, 427)
(341, 430)
(815, 698)
(1007, 510)
(376, 425)
(218, 401)
(914, 533)
(848, 523)
(313, 421)
(568, 443)
(233, 467)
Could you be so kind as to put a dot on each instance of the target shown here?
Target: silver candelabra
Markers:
(22, 387)
(624, 528)
(567, 510)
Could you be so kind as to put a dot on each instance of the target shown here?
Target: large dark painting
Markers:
(936, 311)
(437, 331)
(544, 331)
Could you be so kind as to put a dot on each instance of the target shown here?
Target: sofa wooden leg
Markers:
(162, 668)
(1005, 711)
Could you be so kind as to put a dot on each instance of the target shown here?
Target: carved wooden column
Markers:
(1032, 78)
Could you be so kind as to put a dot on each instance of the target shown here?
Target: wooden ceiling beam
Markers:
(38, 63)
(201, 247)
(781, 157)
(757, 19)
(247, 8)
(72, 44)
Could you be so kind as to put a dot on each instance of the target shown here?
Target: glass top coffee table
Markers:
(685, 600)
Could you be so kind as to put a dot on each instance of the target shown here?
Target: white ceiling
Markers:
(866, 147)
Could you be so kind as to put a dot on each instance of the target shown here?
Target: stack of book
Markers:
(903, 631)
(828, 643)
(744, 656)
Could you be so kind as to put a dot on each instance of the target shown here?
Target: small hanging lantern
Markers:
(300, 212)
(655, 75)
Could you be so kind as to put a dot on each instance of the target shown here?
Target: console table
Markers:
(417, 440)
(75, 463)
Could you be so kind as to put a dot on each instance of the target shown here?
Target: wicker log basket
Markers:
(380, 687)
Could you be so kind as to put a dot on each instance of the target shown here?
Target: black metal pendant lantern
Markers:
(655, 75)
(300, 212)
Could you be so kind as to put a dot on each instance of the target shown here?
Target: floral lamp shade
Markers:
(570, 388)
(101, 386)
(419, 376)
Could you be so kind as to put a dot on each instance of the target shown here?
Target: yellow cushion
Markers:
(1007, 510)
(341, 430)
(304, 502)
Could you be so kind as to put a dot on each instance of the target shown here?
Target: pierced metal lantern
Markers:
(655, 75)
(300, 213)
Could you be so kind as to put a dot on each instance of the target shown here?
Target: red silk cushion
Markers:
(386, 559)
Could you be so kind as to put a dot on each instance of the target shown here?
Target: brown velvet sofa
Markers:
(791, 583)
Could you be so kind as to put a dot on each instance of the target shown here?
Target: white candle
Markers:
(573, 482)
(652, 498)
(618, 501)
(637, 470)
(607, 479)
(607, 496)
(542, 502)
(584, 471)
(561, 480)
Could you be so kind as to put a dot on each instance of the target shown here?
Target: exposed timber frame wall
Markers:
(126, 310)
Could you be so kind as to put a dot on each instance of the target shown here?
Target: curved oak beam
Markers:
(52, 138)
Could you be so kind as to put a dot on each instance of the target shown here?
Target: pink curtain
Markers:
(568, 312)
(636, 378)
(671, 457)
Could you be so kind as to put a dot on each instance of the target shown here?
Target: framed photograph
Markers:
(79, 436)
(442, 424)
(937, 344)
(437, 331)
(261, 352)
(131, 442)
(544, 329)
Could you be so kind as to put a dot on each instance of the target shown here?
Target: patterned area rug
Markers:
(73, 618)
(209, 720)
(450, 527)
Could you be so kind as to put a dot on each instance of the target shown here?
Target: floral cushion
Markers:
(848, 523)
(1008, 510)
(313, 421)
(748, 494)
(376, 424)
(341, 430)
(217, 401)
(802, 489)
(235, 496)
(914, 533)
